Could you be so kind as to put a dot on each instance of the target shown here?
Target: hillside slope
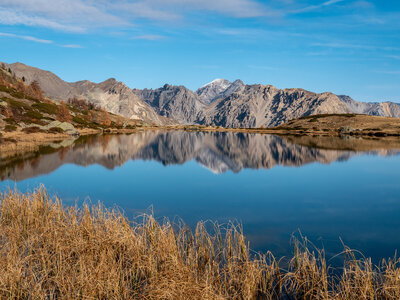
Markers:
(110, 94)
(28, 118)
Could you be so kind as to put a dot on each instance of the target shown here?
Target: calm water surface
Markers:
(274, 186)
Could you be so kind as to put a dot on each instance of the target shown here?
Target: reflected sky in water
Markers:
(272, 185)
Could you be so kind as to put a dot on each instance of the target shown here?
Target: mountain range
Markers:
(218, 103)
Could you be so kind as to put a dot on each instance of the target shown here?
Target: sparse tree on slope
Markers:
(63, 113)
(36, 90)
(105, 117)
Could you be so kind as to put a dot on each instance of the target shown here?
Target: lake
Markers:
(331, 189)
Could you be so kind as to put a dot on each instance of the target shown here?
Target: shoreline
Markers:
(19, 142)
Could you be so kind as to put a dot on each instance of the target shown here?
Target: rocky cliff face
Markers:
(117, 98)
(267, 106)
(112, 95)
(176, 102)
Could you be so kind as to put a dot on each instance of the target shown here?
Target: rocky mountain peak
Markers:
(176, 102)
(218, 88)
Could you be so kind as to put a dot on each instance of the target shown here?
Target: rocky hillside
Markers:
(383, 109)
(111, 94)
(218, 103)
(25, 109)
(176, 102)
(267, 106)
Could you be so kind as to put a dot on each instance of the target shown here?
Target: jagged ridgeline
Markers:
(219, 103)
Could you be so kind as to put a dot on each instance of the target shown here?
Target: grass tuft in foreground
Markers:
(49, 251)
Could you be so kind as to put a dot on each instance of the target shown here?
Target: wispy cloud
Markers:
(26, 37)
(74, 46)
(12, 17)
(149, 37)
(261, 67)
(342, 45)
(208, 67)
(355, 46)
(81, 15)
(315, 7)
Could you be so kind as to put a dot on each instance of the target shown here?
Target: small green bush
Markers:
(10, 128)
(9, 121)
(17, 104)
(33, 114)
(79, 120)
(46, 108)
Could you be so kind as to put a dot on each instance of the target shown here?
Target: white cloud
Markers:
(26, 37)
(355, 46)
(316, 7)
(72, 46)
(11, 17)
(234, 8)
(80, 15)
(149, 37)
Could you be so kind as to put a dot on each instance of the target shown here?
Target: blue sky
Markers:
(344, 46)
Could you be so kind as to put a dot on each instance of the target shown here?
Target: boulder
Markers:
(65, 126)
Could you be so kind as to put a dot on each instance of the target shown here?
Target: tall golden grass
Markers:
(49, 251)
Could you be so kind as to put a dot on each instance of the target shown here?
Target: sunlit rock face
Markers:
(219, 152)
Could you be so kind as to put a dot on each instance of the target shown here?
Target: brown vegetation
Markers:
(344, 124)
(53, 252)
(63, 114)
(82, 104)
(35, 90)
(104, 118)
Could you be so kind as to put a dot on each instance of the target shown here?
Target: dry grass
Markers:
(49, 251)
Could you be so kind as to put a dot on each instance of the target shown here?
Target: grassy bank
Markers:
(49, 251)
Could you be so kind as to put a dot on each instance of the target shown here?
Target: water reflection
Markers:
(219, 152)
(357, 201)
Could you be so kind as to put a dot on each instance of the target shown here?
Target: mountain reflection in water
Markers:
(356, 200)
(218, 151)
